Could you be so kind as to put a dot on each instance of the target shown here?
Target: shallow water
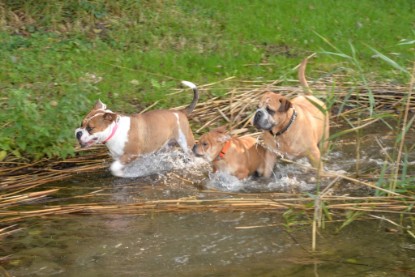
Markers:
(230, 243)
(202, 244)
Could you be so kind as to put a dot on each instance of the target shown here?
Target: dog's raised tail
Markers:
(302, 78)
(192, 105)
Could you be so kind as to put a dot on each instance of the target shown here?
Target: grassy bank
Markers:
(58, 57)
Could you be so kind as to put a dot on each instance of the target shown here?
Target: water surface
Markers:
(222, 242)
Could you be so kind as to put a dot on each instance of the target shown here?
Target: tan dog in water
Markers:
(294, 127)
(240, 157)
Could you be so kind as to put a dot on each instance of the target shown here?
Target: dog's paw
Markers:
(117, 169)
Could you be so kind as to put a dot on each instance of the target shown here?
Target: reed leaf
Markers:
(351, 216)
(389, 61)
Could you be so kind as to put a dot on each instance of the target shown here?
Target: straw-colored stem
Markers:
(403, 130)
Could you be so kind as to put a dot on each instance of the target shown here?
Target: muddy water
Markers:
(202, 244)
(247, 243)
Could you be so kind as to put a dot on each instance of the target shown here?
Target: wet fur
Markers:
(244, 158)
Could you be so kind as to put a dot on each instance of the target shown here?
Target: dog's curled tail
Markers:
(301, 77)
(192, 105)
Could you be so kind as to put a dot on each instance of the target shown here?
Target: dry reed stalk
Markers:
(6, 231)
(234, 204)
(8, 200)
(403, 130)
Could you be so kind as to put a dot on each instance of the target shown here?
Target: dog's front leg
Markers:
(242, 174)
(315, 159)
(118, 165)
(117, 168)
(270, 160)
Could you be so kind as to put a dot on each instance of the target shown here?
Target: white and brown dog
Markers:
(297, 127)
(129, 136)
(240, 157)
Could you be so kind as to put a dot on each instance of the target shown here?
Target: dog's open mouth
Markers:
(88, 143)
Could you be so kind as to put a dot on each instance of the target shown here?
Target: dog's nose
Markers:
(79, 135)
(258, 116)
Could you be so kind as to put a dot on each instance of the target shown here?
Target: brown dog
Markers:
(296, 127)
(129, 136)
(240, 157)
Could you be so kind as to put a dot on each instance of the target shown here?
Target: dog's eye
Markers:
(271, 112)
(89, 129)
(204, 144)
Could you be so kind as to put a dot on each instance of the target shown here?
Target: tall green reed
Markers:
(398, 180)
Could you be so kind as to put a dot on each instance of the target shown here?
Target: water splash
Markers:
(225, 182)
(286, 177)
(162, 162)
(282, 180)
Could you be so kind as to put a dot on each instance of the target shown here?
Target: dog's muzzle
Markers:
(258, 119)
(262, 120)
(258, 115)
(78, 135)
(194, 149)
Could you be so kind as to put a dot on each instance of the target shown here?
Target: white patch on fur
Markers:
(181, 139)
(117, 143)
(189, 84)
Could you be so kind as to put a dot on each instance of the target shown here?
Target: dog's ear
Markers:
(100, 106)
(285, 104)
(221, 130)
(110, 116)
(223, 134)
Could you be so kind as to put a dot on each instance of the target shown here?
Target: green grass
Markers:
(142, 49)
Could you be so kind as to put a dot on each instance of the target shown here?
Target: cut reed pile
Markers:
(270, 203)
(238, 105)
(235, 108)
